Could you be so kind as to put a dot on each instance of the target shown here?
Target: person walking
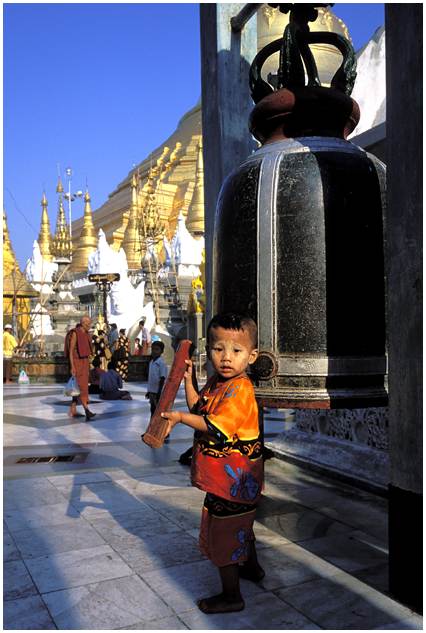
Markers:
(121, 354)
(9, 346)
(79, 351)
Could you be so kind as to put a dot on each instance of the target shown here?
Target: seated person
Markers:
(95, 375)
(110, 384)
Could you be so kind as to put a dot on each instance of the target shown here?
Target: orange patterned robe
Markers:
(227, 463)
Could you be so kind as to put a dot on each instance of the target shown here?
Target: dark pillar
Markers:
(404, 255)
(226, 104)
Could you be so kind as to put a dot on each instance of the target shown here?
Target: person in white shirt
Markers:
(157, 374)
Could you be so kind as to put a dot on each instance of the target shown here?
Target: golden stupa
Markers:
(180, 189)
(61, 246)
(45, 236)
(16, 289)
(131, 243)
(87, 241)
(270, 27)
(172, 188)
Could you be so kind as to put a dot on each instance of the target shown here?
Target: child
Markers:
(157, 374)
(227, 457)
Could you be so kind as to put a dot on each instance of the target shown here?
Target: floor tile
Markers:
(10, 551)
(287, 565)
(73, 569)
(52, 539)
(262, 612)
(26, 614)
(415, 622)
(342, 602)
(99, 499)
(156, 552)
(124, 528)
(17, 582)
(182, 585)
(24, 493)
(110, 604)
(78, 479)
(183, 509)
(164, 624)
(303, 525)
(344, 552)
(36, 517)
(377, 577)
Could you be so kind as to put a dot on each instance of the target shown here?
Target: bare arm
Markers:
(191, 387)
(196, 422)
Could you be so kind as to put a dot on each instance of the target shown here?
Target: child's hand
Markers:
(172, 417)
(189, 368)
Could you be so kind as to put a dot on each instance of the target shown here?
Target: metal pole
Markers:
(240, 20)
(69, 203)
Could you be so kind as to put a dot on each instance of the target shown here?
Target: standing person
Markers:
(227, 459)
(9, 345)
(113, 337)
(79, 350)
(137, 350)
(145, 337)
(101, 348)
(121, 354)
(111, 384)
(157, 374)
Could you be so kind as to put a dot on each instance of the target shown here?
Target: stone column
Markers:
(404, 274)
(226, 104)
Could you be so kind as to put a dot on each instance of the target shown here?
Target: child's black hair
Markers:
(233, 321)
(112, 364)
(159, 344)
(96, 362)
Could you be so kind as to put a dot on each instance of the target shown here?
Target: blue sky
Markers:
(97, 87)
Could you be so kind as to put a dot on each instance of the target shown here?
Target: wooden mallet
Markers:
(157, 429)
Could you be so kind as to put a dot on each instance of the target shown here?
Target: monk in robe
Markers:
(80, 350)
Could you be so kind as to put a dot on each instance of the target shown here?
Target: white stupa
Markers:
(125, 303)
(39, 272)
(187, 251)
(370, 85)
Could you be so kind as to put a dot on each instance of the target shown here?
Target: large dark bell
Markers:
(299, 246)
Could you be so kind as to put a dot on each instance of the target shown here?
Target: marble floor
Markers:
(108, 540)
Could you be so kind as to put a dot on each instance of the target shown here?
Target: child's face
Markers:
(156, 351)
(230, 351)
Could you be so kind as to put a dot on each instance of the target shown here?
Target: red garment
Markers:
(227, 459)
(226, 531)
(84, 342)
(81, 362)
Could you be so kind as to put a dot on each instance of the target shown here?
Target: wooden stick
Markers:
(156, 431)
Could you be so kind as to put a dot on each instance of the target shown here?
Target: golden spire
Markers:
(61, 242)
(195, 217)
(9, 259)
(131, 241)
(59, 186)
(45, 237)
(88, 240)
